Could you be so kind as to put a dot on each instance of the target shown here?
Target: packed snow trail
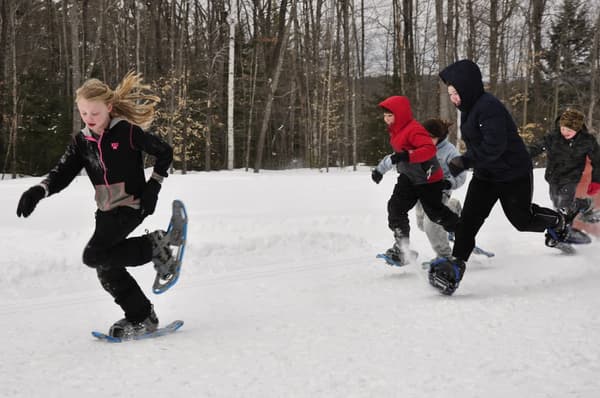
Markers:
(282, 296)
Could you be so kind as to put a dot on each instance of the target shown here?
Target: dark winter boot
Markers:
(399, 252)
(559, 232)
(445, 274)
(126, 330)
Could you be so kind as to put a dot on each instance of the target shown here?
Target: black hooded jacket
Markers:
(495, 150)
(566, 158)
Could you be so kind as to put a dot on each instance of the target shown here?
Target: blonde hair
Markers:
(131, 99)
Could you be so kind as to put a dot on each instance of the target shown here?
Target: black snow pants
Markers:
(515, 197)
(405, 197)
(109, 252)
(563, 196)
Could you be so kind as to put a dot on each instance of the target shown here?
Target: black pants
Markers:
(405, 196)
(109, 251)
(563, 196)
(515, 198)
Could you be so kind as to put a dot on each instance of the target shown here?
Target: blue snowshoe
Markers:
(396, 259)
(167, 263)
(476, 249)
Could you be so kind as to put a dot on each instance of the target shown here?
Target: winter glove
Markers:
(447, 185)
(593, 188)
(456, 166)
(376, 176)
(150, 197)
(399, 157)
(29, 200)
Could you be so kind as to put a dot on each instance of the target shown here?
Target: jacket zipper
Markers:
(102, 164)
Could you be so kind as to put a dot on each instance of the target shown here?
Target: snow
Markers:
(282, 296)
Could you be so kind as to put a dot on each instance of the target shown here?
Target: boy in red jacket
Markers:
(421, 177)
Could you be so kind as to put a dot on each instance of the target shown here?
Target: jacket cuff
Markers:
(157, 177)
(41, 184)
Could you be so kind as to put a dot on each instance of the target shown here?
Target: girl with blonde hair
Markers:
(110, 148)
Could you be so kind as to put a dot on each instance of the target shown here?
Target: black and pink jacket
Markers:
(113, 162)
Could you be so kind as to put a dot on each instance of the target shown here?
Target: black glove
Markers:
(399, 157)
(446, 185)
(456, 166)
(150, 196)
(29, 200)
(376, 176)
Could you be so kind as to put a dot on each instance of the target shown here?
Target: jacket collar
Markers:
(88, 133)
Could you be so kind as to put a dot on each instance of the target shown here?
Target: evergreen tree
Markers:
(568, 55)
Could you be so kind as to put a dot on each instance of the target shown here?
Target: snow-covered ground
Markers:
(282, 297)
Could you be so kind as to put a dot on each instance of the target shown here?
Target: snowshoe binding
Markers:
(124, 329)
(445, 274)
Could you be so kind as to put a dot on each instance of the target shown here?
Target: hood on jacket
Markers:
(400, 107)
(465, 76)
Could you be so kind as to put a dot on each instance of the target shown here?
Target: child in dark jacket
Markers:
(502, 171)
(567, 148)
(420, 179)
(110, 149)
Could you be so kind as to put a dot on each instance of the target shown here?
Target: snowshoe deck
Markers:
(412, 257)
(578, 237)
(565, 247)
(476, 250)
(483, 252)
(177, 237)
(170, 328)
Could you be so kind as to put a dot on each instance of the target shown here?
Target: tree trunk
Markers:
(595, 70)
(75, 58)
(98, 38)
(535, 25)
(347, 84)
(409, 46)
(254, 68)
(493, 44)
(14, 118)
(273, 84)
(328, 90)
(471, 32)
(442, 58)
(230, 95)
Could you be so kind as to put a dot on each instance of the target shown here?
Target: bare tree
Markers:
(273, 85)
(442, 45)
(595, 69)
(12, 75)
(75, 58)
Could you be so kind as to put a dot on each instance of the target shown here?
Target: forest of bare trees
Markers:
(307, 74)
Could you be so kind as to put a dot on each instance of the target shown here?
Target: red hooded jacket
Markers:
(406, 134)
